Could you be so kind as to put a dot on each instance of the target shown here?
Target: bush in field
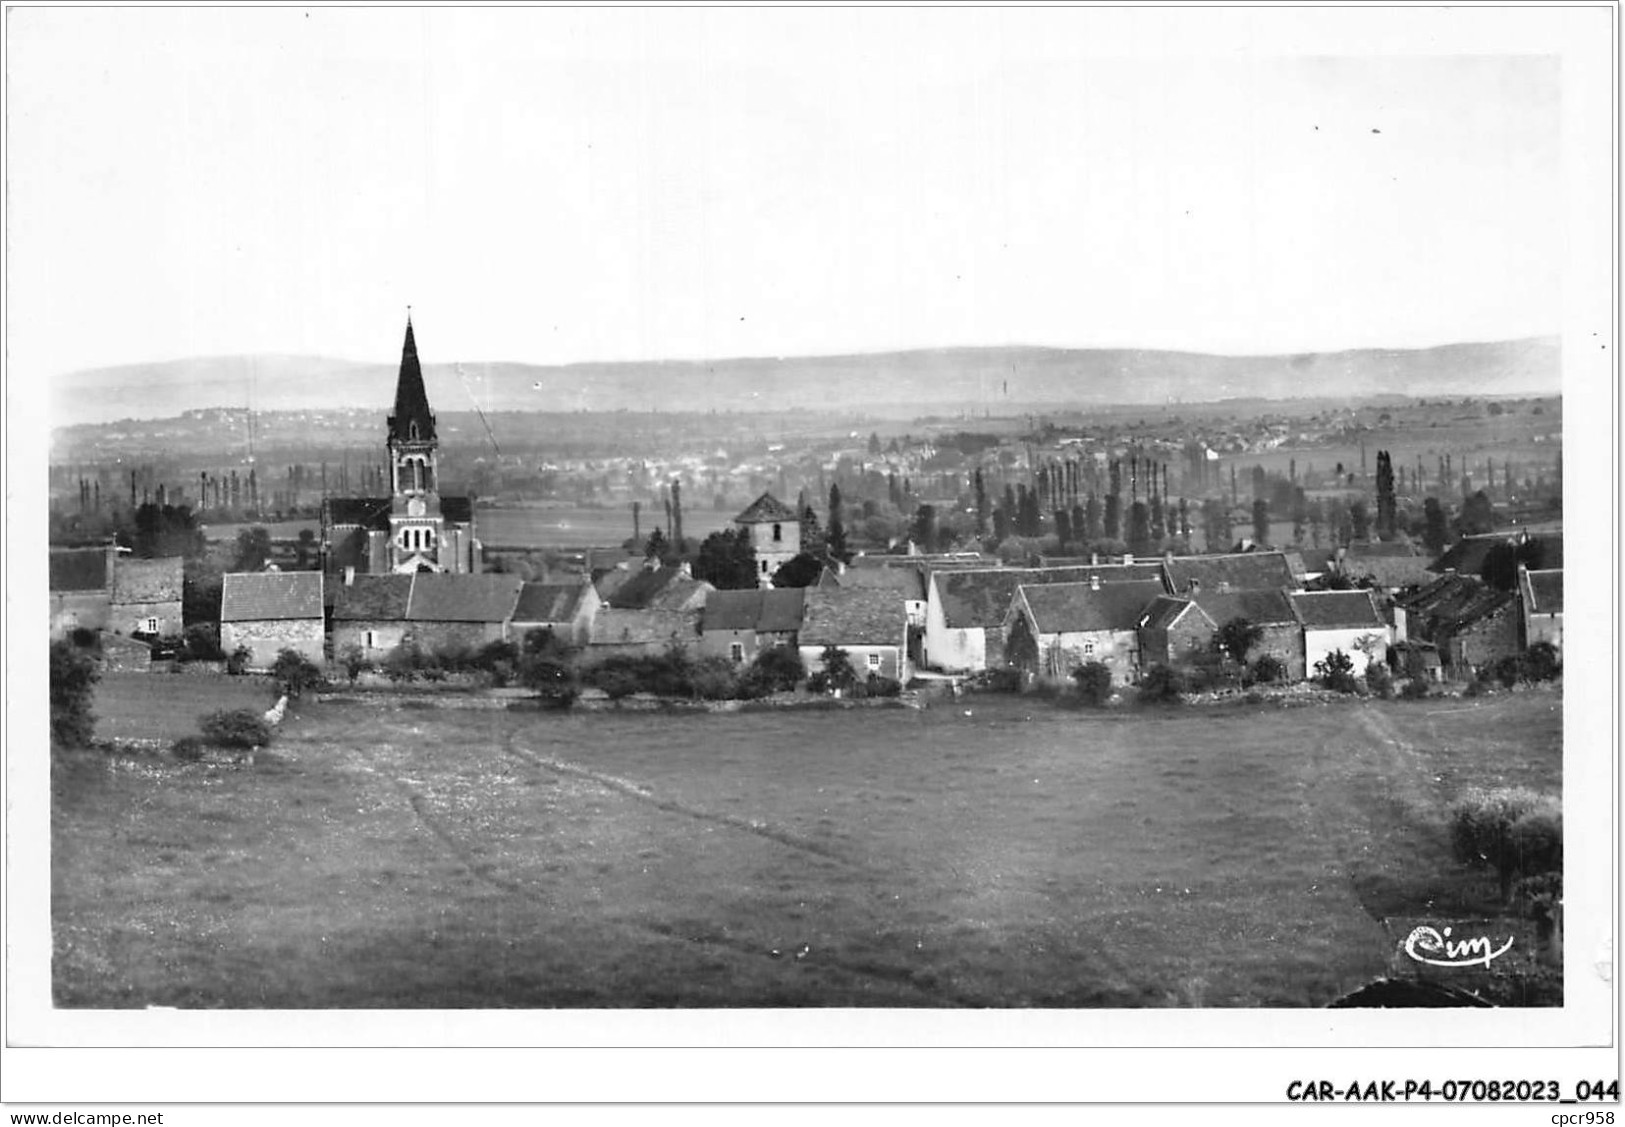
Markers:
(1508, 671)
(838, 671)
(201, 642)
(1336, 672)
(1094, 680)
(497, 653)
(188, 749)
(84, 638)
(235, 727)
(293, 672)
(455, 656)
(1512, 830)
(1477, 687)
(542, 640)
(552, 680)
(1542, 662)
(818, 683)
(878, 686)
(713, 678)
(1005, 679)
(1268, 670)
(754, 684)
(671, 674)
(1415, 689)
(1378, 680)
(353, 661)
(237, 662)
(403, 662)
(74, 674)
(780, 667)
(1161, 685)
(617, 683)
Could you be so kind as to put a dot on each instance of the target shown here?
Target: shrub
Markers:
(74, 674)
(1542, 662)
(353, 660)
(1094, 680)
(402, 662)
(1378, 680)
(1512, 830)
(1336, 672)
(497, 653)
(838, 671)
(1268, 669)
(554, 681)
(1236, 637)
(1161, 685)
(455, 657)
(294, 672)
(238, 660)
(1005, 679)
(617, 683)
(818, 682)
(780, 667)
(1477, 687)
(188, 749)
(713, 679)
(201, 642)
(1415, 689)
(878, 686)
(235, 727)
(753, 684)
(1509, 670)
(84, 638)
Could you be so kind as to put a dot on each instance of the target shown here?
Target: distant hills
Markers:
(999, 380)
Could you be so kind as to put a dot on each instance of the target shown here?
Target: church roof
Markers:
(457, 510)
(766, 509)
(411, 400)
(365, 512)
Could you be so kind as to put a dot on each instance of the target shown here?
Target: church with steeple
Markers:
(416, 528)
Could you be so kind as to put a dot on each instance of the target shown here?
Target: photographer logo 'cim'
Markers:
(1428, 945)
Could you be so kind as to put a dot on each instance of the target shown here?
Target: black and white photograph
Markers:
(821, 528)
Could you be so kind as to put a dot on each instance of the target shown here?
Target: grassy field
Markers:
(997, 852)
(570, 527)
(167, 706)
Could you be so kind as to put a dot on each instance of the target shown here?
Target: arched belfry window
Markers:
(412, 430)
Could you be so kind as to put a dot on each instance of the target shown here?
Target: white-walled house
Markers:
(1341, 620)
(870, 625)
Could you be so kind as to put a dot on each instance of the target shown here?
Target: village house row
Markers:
(405, 569)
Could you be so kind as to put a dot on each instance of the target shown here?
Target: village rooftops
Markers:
(769, 610)
(262, 596)
(654, 588)
(1236, 571)
(907, 581)
(1163, 611)
(1336, 610)
(1452, 601)
(981, 599)
(1260, 607)
(1074, 608)
(462, 598)
(854, 618)
(372, 598)
(549, 602)
(1467, 555)
(767, 509)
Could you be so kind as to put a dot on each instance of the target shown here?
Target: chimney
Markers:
(349, 576)
(1195, 587)
(684, 570)
(1094, 583)
(1094, 559)
(1128, 558)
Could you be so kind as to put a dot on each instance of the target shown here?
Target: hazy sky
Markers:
(560, 185)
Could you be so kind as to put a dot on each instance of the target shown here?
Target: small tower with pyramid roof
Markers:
(775, 533)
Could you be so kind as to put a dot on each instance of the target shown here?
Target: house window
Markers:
(736, 650)
(874, 661)
(372, 639)
(1088, 647)
(149, 626)
(764, 567)
(778, 533)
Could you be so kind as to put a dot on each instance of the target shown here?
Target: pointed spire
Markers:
(412, 420)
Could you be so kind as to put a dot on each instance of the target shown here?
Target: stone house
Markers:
(738, 625)
(775, 533)
(1271, 611)
(966, 609)
(1054, 628)
(369, 614)
(567, 609)
(870, 625)
(641, 632)
(656, 587)
(1234, 571)
(146, 596)
(268, 611)
(1473, 624)
(1541, 593)
(1174, 632)
(445, 609)
(1342, 620)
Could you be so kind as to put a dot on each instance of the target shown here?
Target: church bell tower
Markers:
(416, 527)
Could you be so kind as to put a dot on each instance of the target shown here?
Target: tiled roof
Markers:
(79, 569)
(550, 602)
(1380, 549)
(771, 610)
(372, 598)
(1454, 601)
(1467, 554)
(1241, 570)
(1315, 559)
(1390, 572)
(148, 581)
(457, 510)
(1336, 610)
(261, 596)
(411, 401)
(1163, 611)
(1108, 571)
(854, 618)
(371, 513)
(980, 599)
(1069, 608)
(1260, 607)
(662, 588)
(462, 598)
(765, 510)
(908, 581)
(1547, 588)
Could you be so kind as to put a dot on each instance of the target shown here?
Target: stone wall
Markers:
(435, 635)
(147, 581)
(891, 662)
(73, 609)
(264, 639)
(386, 636)
(1118, 650)
(1284, 642)
(1485, 642)
(131, 618)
